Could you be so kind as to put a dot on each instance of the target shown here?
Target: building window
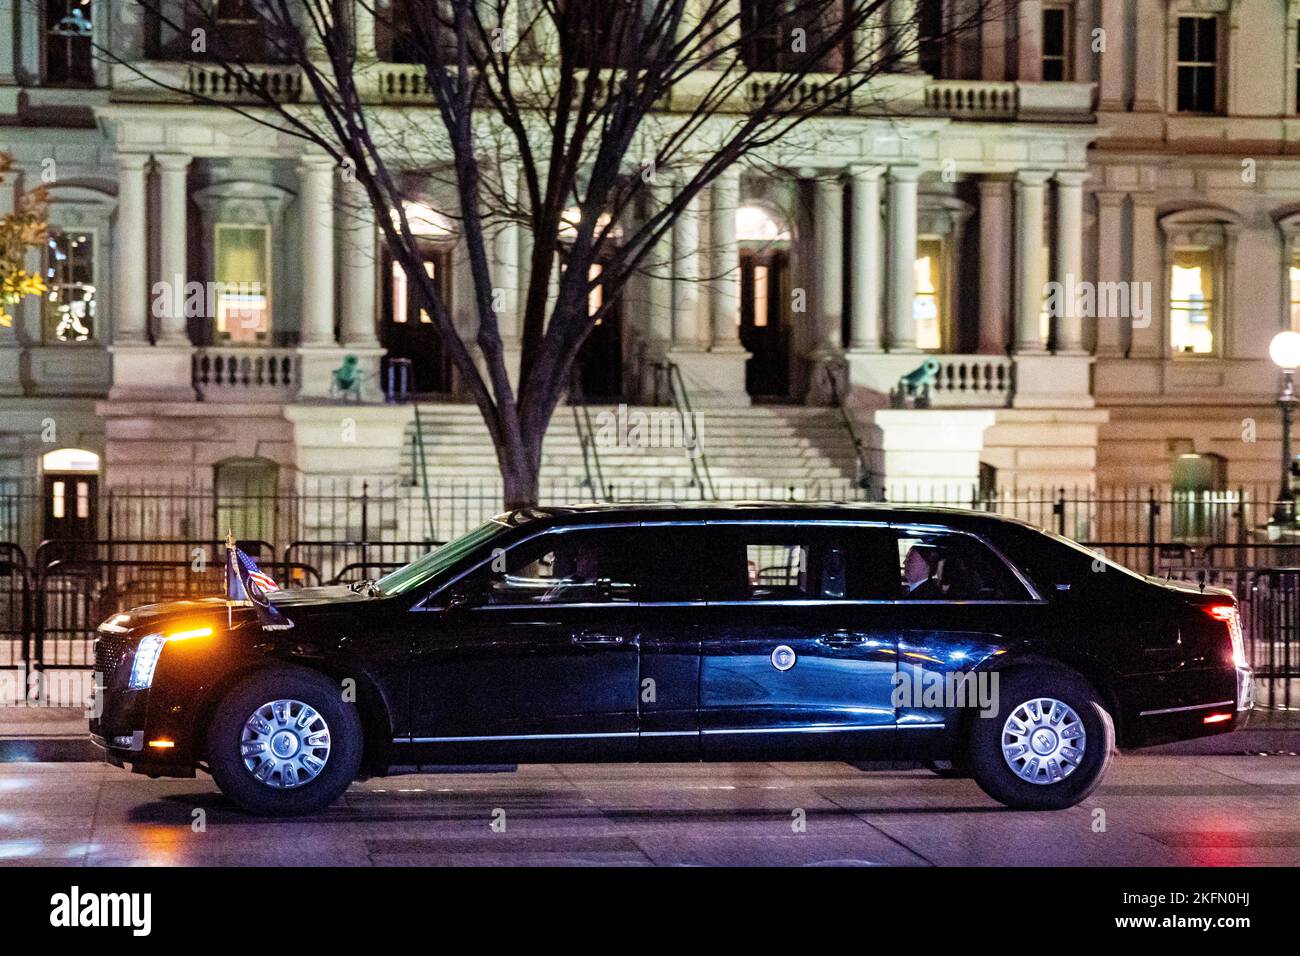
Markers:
(246, 498)
(926, 305)
(1197, 64)
(67, 42)
(1191, 302)
(243, 278)
(69, 307)
(1057, 27)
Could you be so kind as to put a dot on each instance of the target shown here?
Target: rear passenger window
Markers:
(803, 562)
(942, 566)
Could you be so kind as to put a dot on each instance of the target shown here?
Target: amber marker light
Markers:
(1216, 718)
(186, 635)
(162, 744)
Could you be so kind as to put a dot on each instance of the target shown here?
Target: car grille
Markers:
(109, 653)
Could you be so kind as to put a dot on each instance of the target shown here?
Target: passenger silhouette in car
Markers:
(919, 575)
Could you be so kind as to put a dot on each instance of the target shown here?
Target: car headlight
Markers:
(150, 649)
(146, 661)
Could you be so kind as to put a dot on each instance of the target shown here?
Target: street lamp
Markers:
(1284, 350)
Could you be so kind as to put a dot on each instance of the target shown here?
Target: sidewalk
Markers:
(60, 734)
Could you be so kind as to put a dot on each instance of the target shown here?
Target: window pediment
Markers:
(243, 201)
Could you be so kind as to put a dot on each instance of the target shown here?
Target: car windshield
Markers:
(440, 559)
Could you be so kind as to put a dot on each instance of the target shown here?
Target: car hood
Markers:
(215, 611)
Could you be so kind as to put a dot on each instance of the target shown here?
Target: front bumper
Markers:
(128, 722)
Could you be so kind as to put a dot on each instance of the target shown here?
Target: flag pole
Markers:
(230, 553)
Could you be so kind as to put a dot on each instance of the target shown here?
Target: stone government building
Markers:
(1166, 166)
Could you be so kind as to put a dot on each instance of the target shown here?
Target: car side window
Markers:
(944, 566)
(574, 567)
(804, 562)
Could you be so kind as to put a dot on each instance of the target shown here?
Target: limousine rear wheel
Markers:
(284, 742)
(1048, 745)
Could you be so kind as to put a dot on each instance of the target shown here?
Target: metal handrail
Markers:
(593, 474)
(701, 476)
(424, 471)
(864, 473)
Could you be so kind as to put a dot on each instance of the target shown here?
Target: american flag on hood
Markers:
(245, 581)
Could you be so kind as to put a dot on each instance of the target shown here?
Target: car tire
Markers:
(305, 740)
(1011, 753)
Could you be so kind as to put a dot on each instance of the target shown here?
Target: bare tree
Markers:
(544, 106)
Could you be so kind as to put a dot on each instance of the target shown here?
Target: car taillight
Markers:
(1227, 613)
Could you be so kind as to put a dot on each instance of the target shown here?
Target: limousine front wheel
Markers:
(284, 742)
(1047, 746)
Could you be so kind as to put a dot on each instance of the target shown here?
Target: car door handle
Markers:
(843, 639)
(594, 639)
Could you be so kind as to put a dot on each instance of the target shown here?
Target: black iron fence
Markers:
(158, 544)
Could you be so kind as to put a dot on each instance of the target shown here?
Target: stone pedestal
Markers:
(1053, 381)
(925, 454)
(317, 365)
(358, 442)
(153, 373)
(713, 379)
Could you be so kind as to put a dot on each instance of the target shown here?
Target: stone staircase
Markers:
(642, 449)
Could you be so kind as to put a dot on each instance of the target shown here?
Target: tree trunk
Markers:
(520, 480)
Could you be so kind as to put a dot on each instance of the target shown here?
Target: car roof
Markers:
(594, 512)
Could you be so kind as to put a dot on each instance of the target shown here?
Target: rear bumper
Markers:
(1221, 713)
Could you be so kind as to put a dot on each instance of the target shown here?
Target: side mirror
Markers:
(461, 600)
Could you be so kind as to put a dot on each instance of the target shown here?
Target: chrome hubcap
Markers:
(285, 743)
(1043, 740)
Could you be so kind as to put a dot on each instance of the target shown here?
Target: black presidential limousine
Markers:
(715, 632)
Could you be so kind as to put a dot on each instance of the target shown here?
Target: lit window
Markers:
(431, 270)
(69, 308)
(596, 296)
(756, 224)
(1293, 283)
(925, 305)
(760, 297)
(1197, 64)
(242, 276)
(1045, 313)
(1191, 302)
(1056, 42)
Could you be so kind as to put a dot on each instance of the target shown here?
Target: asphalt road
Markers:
(1154, 810)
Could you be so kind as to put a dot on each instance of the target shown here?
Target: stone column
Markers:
(130, 252)
(725, 297)
(1029, 43)
(828, 221)
(316, 215)
(1149, 63)
(901, 261)
(864, 259)
(1148, 339)
(173, 236)
(1030, 186)
(8, 43)
(995, 265)
(1110, 71)
(659, 274)
(686, 276)
(363, 29)
(993, 48)
(357, 271)
(1112, 330)
(1069, 258)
